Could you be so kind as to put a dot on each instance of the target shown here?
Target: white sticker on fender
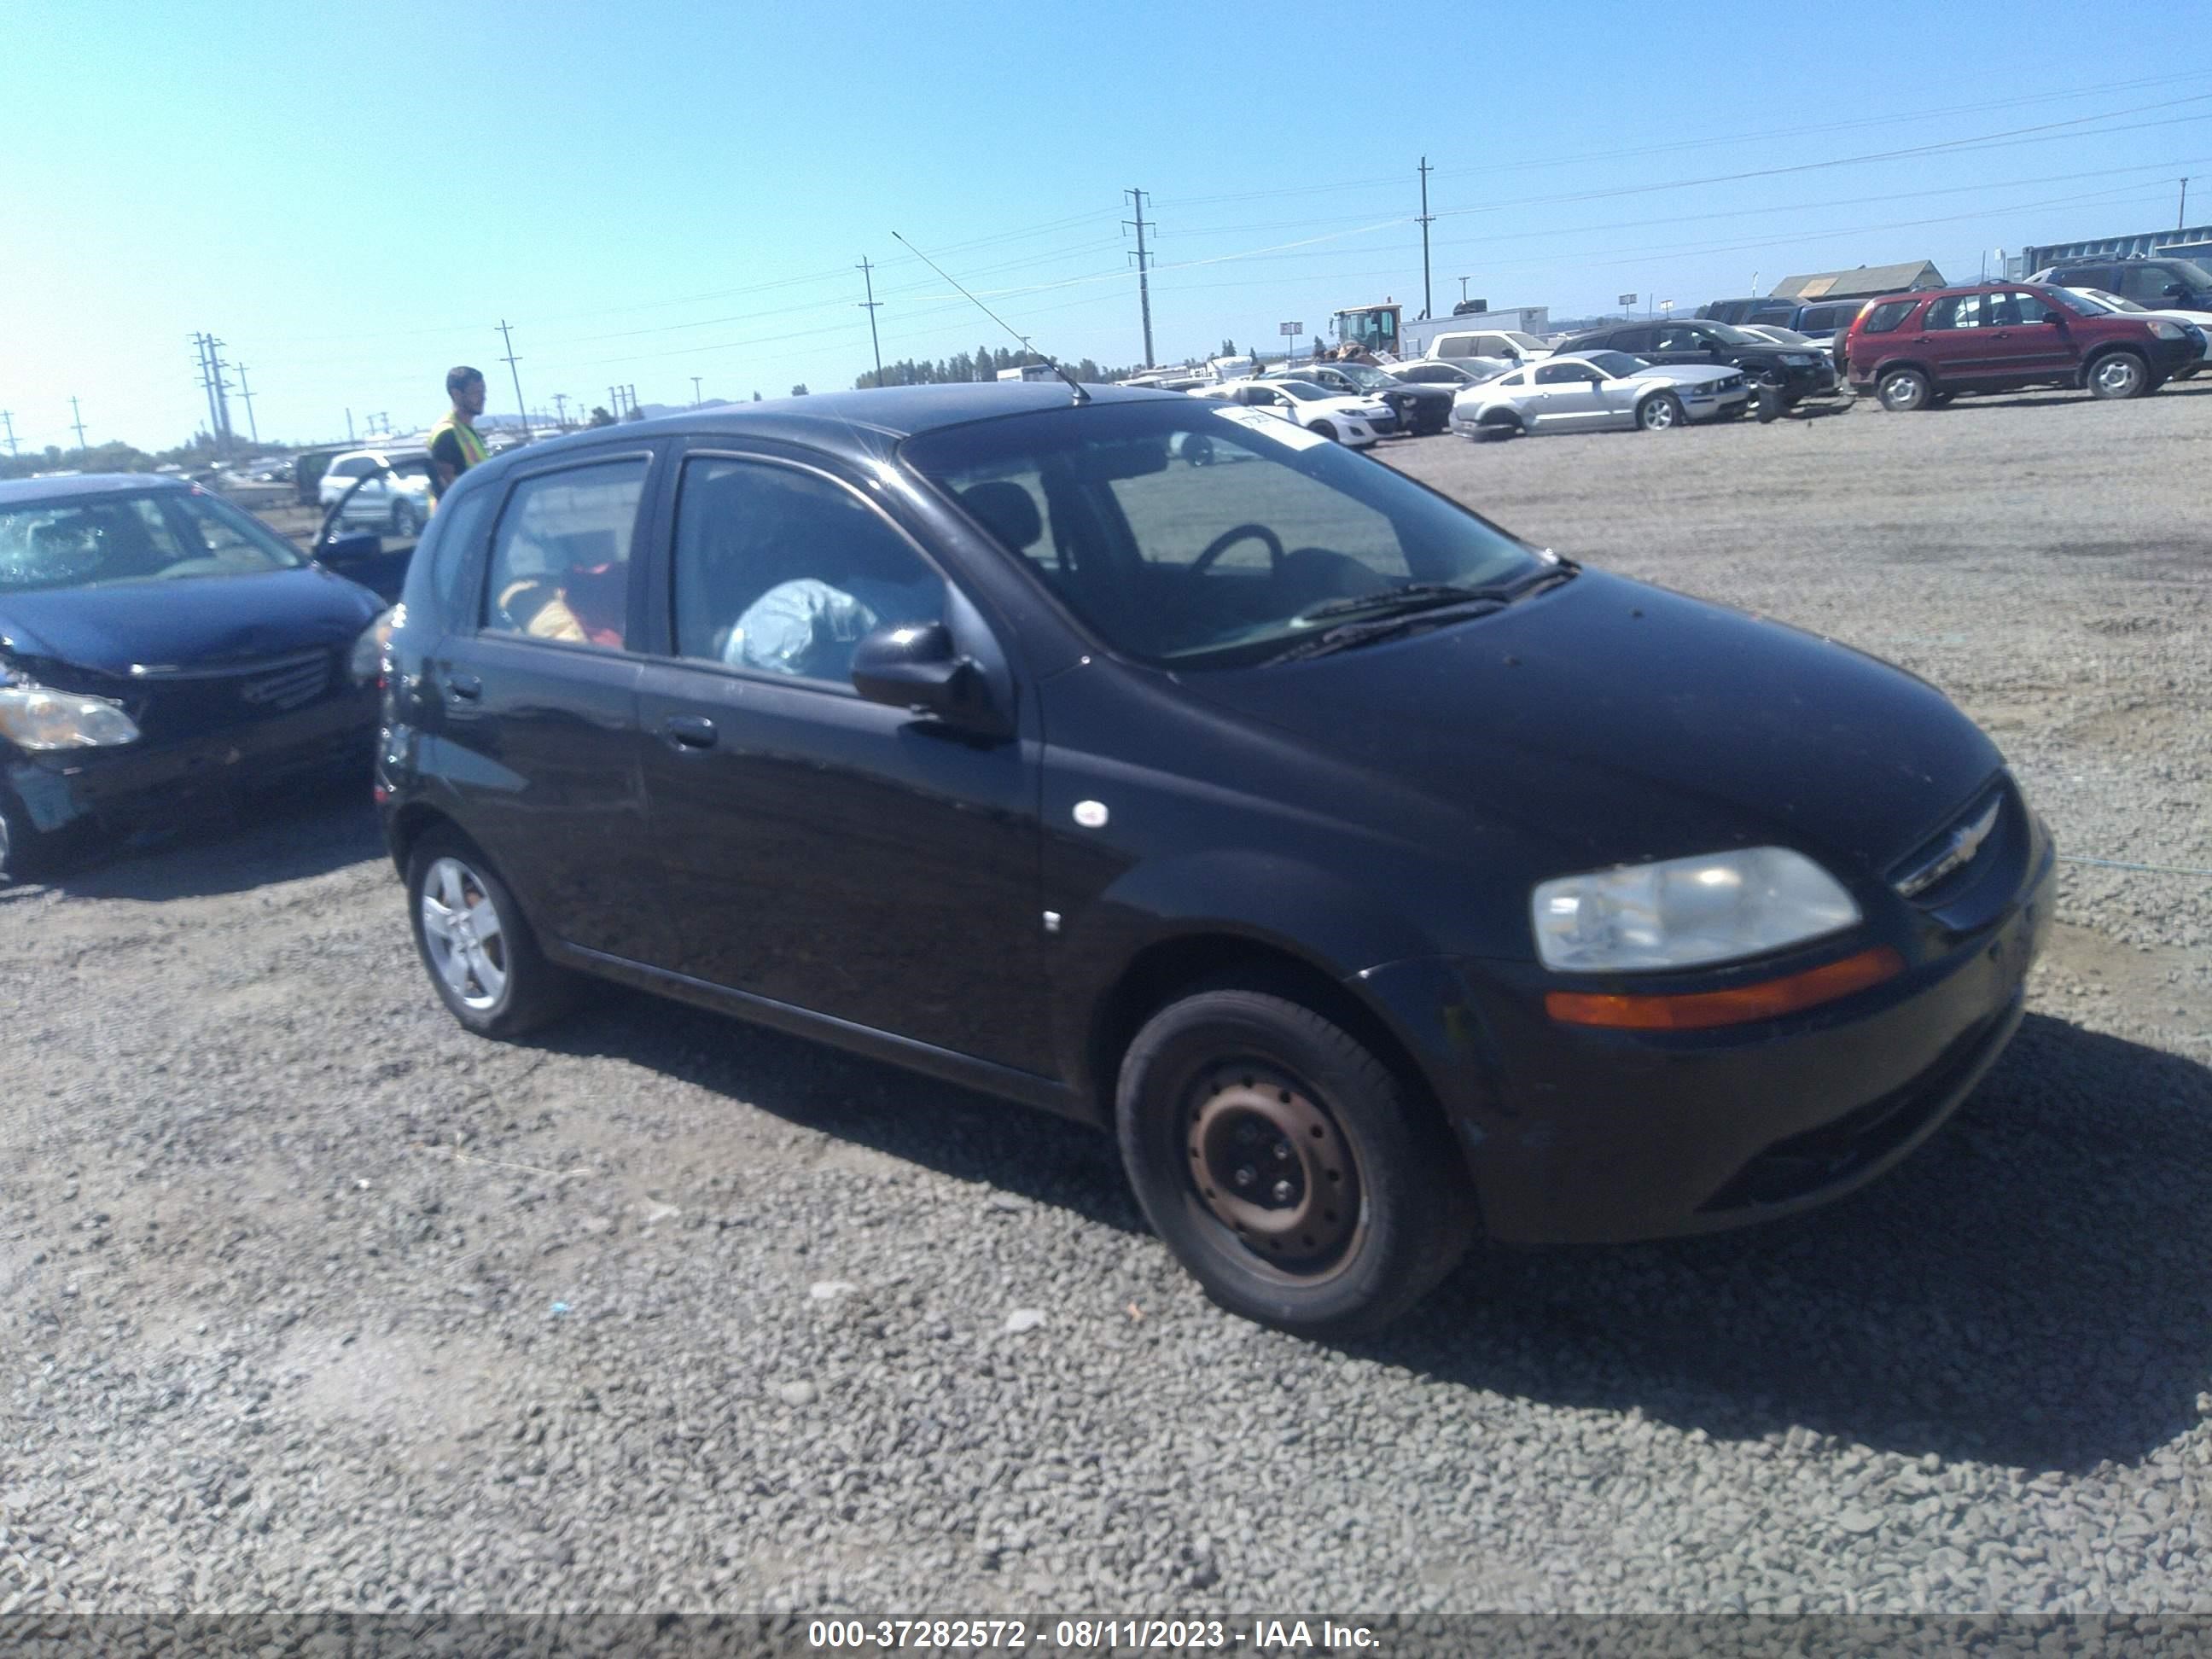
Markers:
(1288, 433)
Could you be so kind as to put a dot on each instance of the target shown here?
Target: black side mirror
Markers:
(913, 666)
(346, 550)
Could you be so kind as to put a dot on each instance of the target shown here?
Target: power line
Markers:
(1144, 281)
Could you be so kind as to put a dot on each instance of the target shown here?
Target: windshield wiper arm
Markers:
(1418, 596)
(1346, 635)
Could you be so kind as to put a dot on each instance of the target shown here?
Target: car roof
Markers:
(862, 425)
(16, 490)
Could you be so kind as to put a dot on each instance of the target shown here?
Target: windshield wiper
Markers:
(1418, 596)
(1405, 610)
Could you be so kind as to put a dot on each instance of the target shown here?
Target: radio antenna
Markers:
(1074, 385)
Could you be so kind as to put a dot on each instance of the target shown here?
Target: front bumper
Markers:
(1715, 405)
(1576, 1135)
(140, 784)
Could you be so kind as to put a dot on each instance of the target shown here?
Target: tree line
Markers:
(982, 364)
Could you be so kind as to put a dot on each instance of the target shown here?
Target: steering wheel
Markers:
(1229, 538)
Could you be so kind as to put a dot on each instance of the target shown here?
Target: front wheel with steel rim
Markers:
(1903, 390)
(1661, 412)
(481, 955)
(1286, 1167)
(2119, 375)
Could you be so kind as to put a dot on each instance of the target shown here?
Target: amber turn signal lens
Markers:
(1767, 999)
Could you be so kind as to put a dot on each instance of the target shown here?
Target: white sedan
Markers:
(1355, 421)
(1594, 390)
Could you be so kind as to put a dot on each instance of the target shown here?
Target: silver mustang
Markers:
(1598, 389)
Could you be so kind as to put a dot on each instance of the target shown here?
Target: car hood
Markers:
(193, 622)
(1620, 722)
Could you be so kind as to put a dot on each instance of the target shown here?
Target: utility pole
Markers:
(203, 343)
(1144, 284)
(561, 410)
(695, 390)
(1462, 290)
(225, 439)
(614, 401)
(7, 416)
(246, 393)
(1427, 218)
(82, 448)
(2181, 218)
(349, 426)
(516, 374)
(869, 306)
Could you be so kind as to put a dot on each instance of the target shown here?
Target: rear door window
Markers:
(2146, 284)
(560, 562)
(1885, 318)
(1963, 311)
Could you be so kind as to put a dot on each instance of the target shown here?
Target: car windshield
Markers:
(2190, 272)
(99, 541)
(1786, 336)
(2110, 301)
(1728, 334)
(1526, 341)
(1617, 364)
(1303, 391)
(1132, 514)
(1363, 376)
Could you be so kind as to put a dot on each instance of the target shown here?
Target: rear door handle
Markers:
(688, 731)
(464, 687)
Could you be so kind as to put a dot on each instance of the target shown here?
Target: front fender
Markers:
(1284, 904)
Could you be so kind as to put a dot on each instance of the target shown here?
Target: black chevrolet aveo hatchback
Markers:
(1379, 879)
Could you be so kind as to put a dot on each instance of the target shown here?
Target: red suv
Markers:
(1920, 350)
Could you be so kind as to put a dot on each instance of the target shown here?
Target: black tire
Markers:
(1902, 390)
(1223, 1075)
(1498, 430)
(2117, 374)
(1661, 412)
(1325, 429)
(405, 521)
(529, 991)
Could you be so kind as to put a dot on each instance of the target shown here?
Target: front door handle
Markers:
(688, 731)
(464, 687)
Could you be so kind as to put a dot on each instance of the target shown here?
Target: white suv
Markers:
(400, 504)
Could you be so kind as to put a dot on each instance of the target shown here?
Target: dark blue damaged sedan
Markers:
(156, 643)
(1379, 880)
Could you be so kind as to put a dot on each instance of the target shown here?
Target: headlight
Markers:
(2165, 331)
(1682, 913)
(368, 660)
(32, 717)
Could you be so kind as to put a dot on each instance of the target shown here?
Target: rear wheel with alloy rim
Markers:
(1661, 411)
(2119, 375)
(482, 957)
(1904, 390)
(1284, 1165)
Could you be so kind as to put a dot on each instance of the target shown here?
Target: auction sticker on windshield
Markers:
(1285, 433)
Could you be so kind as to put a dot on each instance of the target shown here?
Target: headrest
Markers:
(1007, 510)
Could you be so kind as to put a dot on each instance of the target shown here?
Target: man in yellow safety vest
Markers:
(454, 446)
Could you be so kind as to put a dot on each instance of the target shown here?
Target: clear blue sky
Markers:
(352, 199)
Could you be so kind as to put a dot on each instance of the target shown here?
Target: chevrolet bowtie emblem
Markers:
(1959, 845)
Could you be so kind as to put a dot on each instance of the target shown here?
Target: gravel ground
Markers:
(312, 1301)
